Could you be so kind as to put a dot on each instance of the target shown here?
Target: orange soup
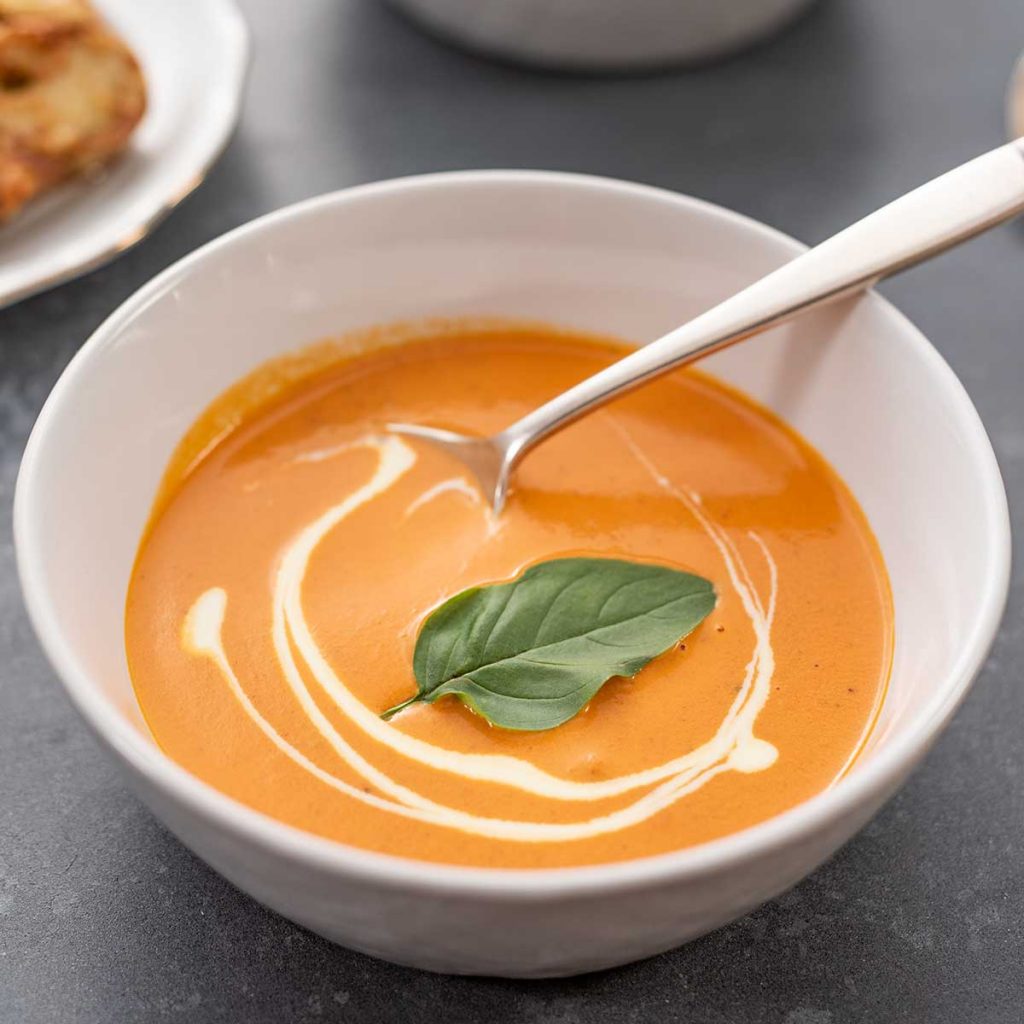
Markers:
(298, 546)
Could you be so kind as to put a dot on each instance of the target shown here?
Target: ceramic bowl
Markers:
(603, 35)
(857, 380)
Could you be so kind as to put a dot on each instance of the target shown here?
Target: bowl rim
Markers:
(876, 778)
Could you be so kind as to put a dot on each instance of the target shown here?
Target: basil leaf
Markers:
(531, 653)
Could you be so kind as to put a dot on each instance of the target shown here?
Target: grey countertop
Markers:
(104, 918)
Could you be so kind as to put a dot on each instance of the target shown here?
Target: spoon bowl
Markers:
(485, 457)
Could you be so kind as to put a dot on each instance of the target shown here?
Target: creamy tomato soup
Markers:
(297, 547)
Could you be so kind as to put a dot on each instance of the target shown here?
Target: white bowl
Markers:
(858, 381)
(604, 35)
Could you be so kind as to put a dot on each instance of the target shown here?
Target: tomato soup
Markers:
(298, 545)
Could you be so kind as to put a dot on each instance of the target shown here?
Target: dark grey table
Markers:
(105, 919)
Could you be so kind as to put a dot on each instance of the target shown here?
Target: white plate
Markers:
(194, 54)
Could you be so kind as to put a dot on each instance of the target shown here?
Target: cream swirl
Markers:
(734, 746)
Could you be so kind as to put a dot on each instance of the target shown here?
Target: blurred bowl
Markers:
(1015, 102)
(609, 35)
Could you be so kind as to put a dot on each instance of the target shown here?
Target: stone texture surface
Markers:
(105, 919)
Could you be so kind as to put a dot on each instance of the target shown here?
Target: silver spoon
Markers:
(951, 209)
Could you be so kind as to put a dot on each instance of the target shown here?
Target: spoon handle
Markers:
(948, 210)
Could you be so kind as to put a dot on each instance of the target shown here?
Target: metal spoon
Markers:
(949, 210)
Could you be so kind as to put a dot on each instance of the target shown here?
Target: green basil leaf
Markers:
(531, 653)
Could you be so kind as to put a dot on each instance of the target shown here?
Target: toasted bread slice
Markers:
(71, 93)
